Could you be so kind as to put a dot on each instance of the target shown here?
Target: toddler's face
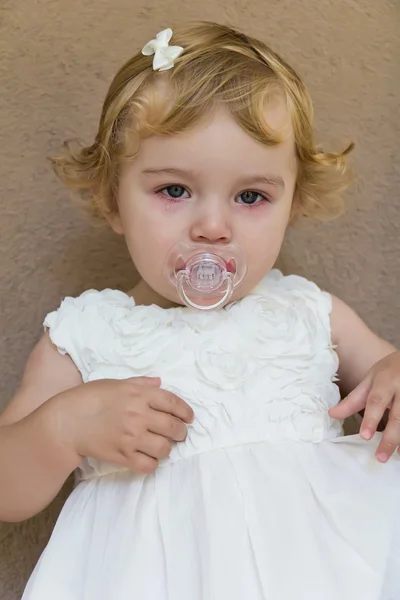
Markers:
(214, 184)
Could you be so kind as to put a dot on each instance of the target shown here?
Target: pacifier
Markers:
(205, 271)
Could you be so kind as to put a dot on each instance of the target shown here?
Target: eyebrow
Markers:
(275, 180)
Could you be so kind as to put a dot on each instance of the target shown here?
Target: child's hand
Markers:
(129, 422)
(380, 390)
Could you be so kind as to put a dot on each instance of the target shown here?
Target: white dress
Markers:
(265, 500)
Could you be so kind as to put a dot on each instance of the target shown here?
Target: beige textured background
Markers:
(56, 60)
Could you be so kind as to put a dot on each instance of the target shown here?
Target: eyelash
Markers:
(264, 197)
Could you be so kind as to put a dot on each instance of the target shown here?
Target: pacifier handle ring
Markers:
(218, 304)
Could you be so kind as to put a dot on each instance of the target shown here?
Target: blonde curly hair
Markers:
(218, 65)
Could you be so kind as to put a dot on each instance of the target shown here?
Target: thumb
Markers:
(146, 381)
(353, 403)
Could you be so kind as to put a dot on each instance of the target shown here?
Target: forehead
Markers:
(219, 142)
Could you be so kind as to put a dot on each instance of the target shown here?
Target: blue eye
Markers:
(250, 198)
(175, 192)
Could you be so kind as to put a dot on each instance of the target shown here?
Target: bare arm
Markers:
(33, 462)
(358, 347)
(371, 378)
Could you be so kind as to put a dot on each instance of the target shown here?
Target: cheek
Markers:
(266, 229)
(146, 245)
(150, 217)
(262, 239)
(148, 242)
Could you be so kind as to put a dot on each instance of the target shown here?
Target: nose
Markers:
(211, 223)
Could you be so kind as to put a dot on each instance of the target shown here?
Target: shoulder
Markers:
(295, 286)
(90, 303)
(347, 326)
(92, 299)
(292, 302)
(343, 319)
(79, 323)
(348, 329)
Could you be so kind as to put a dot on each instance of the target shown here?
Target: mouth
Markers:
(181, 265)
(231, 266)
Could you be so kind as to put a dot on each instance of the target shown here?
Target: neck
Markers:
(144, 295)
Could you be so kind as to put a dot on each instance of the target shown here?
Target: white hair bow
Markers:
(164, 55)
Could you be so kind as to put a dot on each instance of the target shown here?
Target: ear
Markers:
(114, 221)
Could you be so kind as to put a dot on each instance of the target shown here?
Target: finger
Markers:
(379, 398)
(168, 426)
(138, 462)
(391, 437)
(155, 446)
(168, 402)
(150, 381)
(353, 403)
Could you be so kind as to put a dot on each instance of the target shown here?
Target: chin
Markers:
(168, 298)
